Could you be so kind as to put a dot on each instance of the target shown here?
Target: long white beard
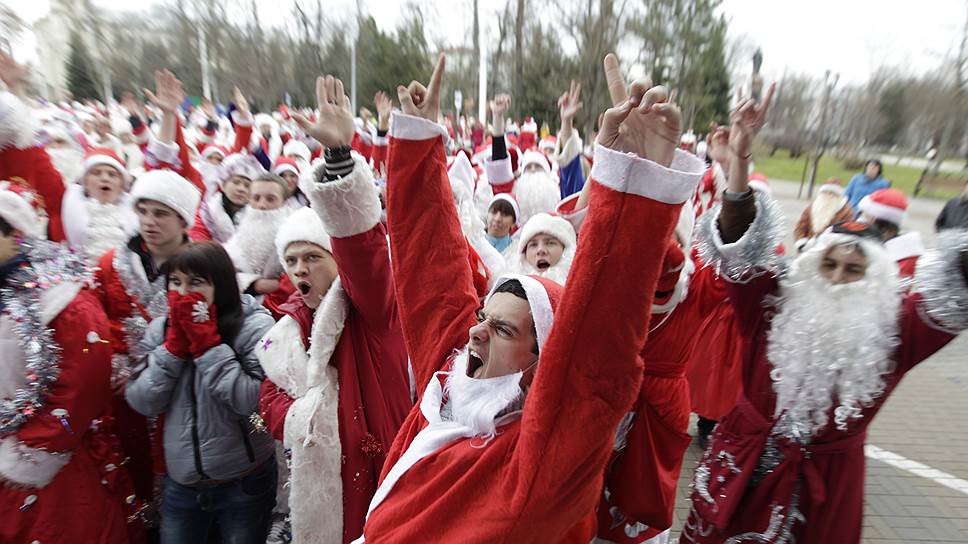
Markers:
(105, 229)
(823, 210)
(477, 403)
(536, 192)
(831, 342)
(68, 161)
(253, 244)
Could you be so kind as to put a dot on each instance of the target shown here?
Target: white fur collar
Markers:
(904, 245)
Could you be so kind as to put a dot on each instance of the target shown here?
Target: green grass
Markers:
(781, 166)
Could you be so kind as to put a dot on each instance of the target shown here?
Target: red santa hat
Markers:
(212, 149)
(759, 183)
(285, 164)
(551, 225)
(170, 189)
(832, 186)
(543, 298)
(535, 157)
(102, 156)
(549, 143)
(303, 225)
(19, 208)
(296, 148)
(886, 204)
(510, 200)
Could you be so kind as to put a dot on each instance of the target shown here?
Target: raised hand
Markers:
(745, 123)
(334, 122)
(130, 104)
(717, 144)
(208, 109)
(570, 103)
(241, 104)
(384, 105)
(421, 101)
(13, 74)
(499, 109)
(168, 94)
(642, 120)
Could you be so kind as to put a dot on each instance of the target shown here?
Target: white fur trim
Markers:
(381, 141)
(28, 466)
(760, 187)
(541, 311)
(346, 206)
(18, 128)
(19, 213)
(303, 225)
(627, 173)
(510, 200)
(285, 167)
(547, 224)
(54, 300)
(832, 188)
(170, 189)
(283, 358)
(106, 160)
(534, 157)
(499, 171)
(164, 152)
(904, 246)
(408, 127)
(881, 211)
(566, 209)
(241, 120)
(569, 149)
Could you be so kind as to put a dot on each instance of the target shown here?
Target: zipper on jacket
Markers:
(245, 440)
(195, 446)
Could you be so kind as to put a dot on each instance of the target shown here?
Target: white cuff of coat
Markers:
(165, 153)
(242, 120)
(628, 173)
(346, 206)
(499, 172)
(28, 466)
(408, 127)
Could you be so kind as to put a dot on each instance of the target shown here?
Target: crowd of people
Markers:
(305, 326)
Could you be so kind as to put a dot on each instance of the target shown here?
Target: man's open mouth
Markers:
(543, 265)
(304, 287)
(475, 364)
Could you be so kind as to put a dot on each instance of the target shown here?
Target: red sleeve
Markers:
(589, 371)
(199, 232)
(920, 336)
(436, 303)
(274, 404)
(33, 166)
(364, 270)
(187, 171)
(243, 134)
(747, 300)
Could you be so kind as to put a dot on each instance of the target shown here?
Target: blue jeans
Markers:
(242, 507)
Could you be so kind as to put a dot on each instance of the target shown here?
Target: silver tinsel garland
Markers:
(941, 283)
(757, 249)
(48, 264)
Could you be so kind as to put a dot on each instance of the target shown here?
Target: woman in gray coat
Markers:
(201, 372)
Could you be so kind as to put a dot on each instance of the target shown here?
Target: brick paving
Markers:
(925, 420)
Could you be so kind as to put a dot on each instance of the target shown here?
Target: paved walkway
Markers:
(917, 470)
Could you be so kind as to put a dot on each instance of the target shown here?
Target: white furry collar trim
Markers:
(904, 245)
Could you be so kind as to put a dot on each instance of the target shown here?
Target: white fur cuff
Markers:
(241, 120)
(166, 153)
(408, 127)
(17, 126)
(347, 206)
(24, 465)
(499, 171)
(627, 173)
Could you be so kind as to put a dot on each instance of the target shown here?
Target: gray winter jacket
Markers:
(207, 402)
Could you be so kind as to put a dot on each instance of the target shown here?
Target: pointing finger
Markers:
(614, 79)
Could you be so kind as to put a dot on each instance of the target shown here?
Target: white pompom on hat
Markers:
(170, 189)
(302, 226)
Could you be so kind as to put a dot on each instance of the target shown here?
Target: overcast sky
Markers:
(849, 37)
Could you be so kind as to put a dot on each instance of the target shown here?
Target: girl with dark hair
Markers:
(202, 373)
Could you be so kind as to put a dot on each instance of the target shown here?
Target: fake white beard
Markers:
(477, 403)
(68, 161)
(831, 341)
(254, 241)
(105, 229)
(823, 210)
(536, 192)
(557, 273)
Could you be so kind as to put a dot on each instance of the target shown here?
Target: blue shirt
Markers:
(499, 244)
(860, 186)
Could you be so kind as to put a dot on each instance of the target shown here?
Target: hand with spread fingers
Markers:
(745, 123)
(13, 74)
(642, 120)
(169, 94)
(420, 101)
(569, 104)
(334, 121)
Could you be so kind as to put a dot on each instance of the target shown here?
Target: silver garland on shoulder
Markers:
(939, 279)
(757, 254)
(48, 264)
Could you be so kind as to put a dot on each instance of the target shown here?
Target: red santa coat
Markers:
(905, 249)
(339, 438)
(641, 481)
(714, 371)
(813, 493)
(32, 164)
(131, 301)
(72, 492)
(541, 474)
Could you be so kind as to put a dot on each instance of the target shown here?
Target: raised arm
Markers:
(435, 291)
(589, 370)
(169, 150)
(346, 200)
(242, 120)
(498, 167)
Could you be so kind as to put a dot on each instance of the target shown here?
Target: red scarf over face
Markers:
(296, 308)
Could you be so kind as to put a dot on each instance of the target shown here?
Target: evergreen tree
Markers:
(80, 81)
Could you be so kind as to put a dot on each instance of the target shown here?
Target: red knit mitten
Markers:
(175, 340)
(201, 325)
